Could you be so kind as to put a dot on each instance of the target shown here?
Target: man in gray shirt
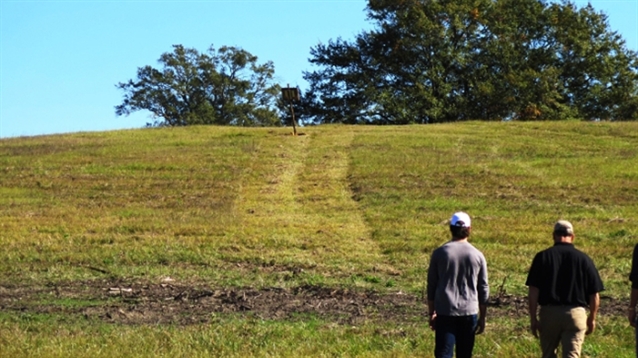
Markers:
(457, 292)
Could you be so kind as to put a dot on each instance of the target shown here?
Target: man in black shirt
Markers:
(564, 282)
(633, 298)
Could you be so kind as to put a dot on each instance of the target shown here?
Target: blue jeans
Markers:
(454, 330)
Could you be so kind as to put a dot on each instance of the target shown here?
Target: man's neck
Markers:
(564, 240)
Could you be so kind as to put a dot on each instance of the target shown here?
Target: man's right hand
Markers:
(480, 325)
(591, 324)
(535, 326)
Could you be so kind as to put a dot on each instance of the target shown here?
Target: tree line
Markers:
(424, 61)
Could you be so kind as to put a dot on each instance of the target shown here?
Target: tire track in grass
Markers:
(295, 208)
(340, 235)
(266, 214)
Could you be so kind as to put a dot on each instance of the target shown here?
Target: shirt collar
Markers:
(563, 244)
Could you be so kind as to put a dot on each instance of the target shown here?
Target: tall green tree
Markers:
(429, 61)
(226, 87)
(598, 73)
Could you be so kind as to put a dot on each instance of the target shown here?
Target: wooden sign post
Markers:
(291, 94)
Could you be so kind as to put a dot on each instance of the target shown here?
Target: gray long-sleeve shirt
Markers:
(457, 279)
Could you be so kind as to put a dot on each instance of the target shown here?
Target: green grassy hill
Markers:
(340, 210)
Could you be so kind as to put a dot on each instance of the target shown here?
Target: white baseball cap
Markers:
(563, 227)
(460, 219)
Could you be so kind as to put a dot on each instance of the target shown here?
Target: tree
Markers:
(429, 61)
(226, 87)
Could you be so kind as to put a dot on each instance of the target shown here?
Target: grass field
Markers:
(216, 241)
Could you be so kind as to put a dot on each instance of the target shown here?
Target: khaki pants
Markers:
(565, 325)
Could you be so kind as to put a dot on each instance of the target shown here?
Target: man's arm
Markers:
(633, 298)
(594, 304)
(631, 312)
(431, 314)
(532, 297)
(480, 327)
(433, 282)
(484, 294)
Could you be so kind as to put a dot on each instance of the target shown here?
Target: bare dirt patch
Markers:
(170, 303)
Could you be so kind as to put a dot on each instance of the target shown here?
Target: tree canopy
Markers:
(429, 61)
(226, 87)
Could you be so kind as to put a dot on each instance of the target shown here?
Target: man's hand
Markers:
(532, 297)
(480, 326)
(594, 303)
(631, 316)
(534, 326)
(433, 321)
(591, 324)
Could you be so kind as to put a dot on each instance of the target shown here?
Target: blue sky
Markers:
(60, 60)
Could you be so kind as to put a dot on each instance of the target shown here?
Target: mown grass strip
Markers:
(296, 217)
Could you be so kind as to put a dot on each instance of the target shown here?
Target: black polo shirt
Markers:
(564, 276)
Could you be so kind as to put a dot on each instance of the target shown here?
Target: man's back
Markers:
(564, 276)
(457, 279)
